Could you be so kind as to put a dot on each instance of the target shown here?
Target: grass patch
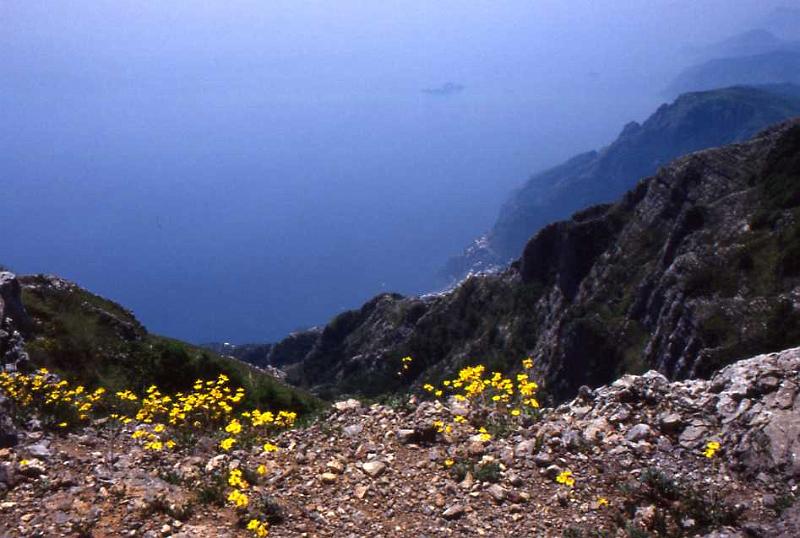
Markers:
(681, 509)
(96, 342)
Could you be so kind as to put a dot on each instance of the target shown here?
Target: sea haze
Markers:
(236, 170)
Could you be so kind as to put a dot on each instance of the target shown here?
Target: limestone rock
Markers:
(374, 468)
(453, 512)
(328, 478)
(497, 492)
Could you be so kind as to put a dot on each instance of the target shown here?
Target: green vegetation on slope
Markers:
(98, 343)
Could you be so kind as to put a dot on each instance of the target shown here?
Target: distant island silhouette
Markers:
(448, 88)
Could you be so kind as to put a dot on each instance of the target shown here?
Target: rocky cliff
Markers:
(696, 267)
(695, 121)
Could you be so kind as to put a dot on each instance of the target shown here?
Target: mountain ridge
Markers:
(694, 121)
(669, 277)
(775, 67)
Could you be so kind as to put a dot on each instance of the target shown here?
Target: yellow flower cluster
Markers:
(405, 364)
(471, 384)
(258, 528)
(566, 478)
(238, 499)
(43, 391)
(152, 440)
(210, 405)
(527, 390)
(127, 395)
(441, 427)
(433, 390)
(712, 447)
(234, 427)
(284, 419)
(503, 398)
(206, 405)
(235, 479)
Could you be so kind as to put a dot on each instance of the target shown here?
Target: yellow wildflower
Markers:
(566, 478)
(234, 427)
(712, 447)
(235, 479)
(259, 528)
(238, 499)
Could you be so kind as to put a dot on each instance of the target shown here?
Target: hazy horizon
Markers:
(234, 171)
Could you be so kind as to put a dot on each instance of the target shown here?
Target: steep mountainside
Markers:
(694, 268)
(693, 122)
(53, 323)
(779, 66)
(289, 350)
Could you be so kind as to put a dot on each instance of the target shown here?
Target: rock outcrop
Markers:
(14, 321)
(751, 407)
(694, 268)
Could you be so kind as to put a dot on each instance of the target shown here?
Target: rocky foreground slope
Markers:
(635, 458)
(698, 266)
